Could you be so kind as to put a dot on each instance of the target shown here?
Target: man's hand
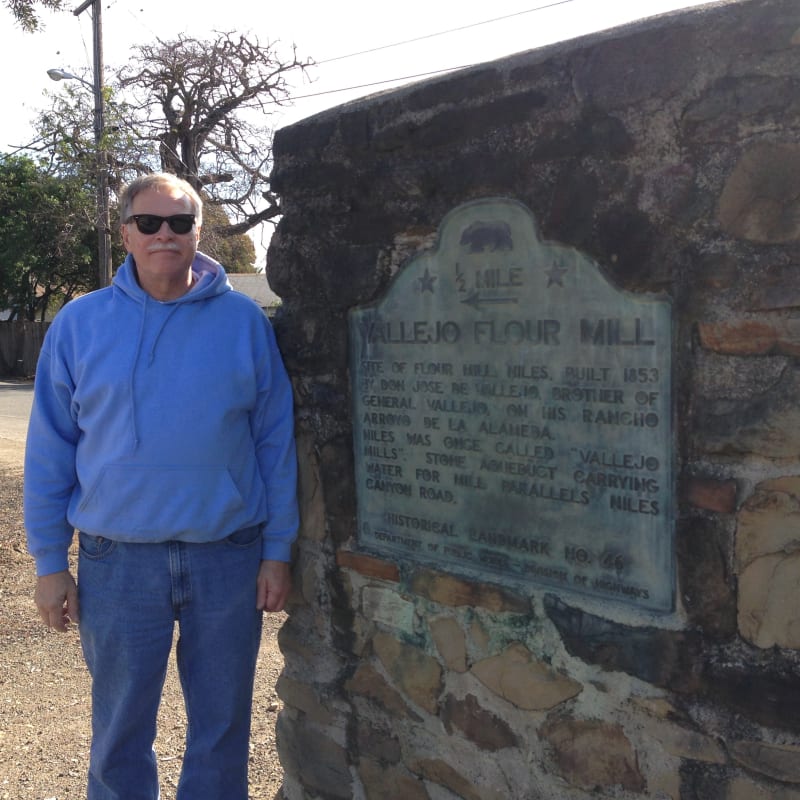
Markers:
(273, 585)
(56, 597)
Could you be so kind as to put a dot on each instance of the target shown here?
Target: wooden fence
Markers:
(20, 343)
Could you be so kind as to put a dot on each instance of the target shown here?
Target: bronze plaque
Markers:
(512, 416)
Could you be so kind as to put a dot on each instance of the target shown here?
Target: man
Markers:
(162, 430)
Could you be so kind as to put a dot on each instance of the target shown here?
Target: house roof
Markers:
(255, 285)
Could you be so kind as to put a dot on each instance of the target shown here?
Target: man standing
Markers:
(162, 430)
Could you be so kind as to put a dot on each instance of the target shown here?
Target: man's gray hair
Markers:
(158, 180)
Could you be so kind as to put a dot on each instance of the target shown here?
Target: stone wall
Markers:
(668, 152)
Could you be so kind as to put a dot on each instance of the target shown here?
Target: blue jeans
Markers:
(130, 597)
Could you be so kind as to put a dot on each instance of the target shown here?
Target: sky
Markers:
(321, 30)
(360, 46)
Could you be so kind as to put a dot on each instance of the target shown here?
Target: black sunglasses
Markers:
(149, 224)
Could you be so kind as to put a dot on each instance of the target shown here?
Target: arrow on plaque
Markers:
(475, 300)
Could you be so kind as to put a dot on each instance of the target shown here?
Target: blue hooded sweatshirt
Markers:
(156, 421)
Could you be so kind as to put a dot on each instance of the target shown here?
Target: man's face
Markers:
(162, 258)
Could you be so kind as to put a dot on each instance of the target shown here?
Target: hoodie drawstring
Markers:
(160, 330)
(132, 374)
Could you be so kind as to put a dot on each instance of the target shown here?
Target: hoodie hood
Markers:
(209, 275)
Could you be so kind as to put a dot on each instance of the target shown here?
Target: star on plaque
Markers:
(426, 281)
(555, 275)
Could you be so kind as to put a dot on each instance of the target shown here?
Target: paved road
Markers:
(15, 408)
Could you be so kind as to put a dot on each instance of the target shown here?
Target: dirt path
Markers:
(44, 687)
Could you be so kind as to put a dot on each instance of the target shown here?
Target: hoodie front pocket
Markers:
(160, 502)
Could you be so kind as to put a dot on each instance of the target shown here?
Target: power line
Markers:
(411, 41)
(381, 83)
(392, 45)
(443, 33)
(402, 43)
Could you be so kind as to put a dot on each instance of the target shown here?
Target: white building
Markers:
(255, 285)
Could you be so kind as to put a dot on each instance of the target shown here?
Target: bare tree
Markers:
(199, 109)
(206, 106)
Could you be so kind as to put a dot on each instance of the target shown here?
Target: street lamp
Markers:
(63, 75)
(103, 223)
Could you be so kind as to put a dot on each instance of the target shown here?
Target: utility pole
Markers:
(103, 221)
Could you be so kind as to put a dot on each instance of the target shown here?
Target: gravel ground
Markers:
(44, 686)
